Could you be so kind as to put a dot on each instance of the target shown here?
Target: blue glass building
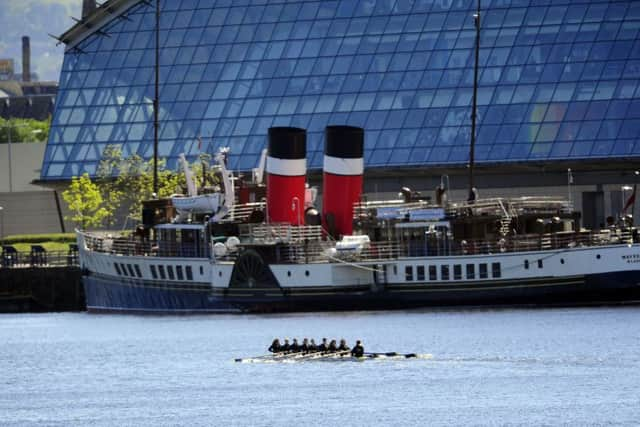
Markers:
(558, 80)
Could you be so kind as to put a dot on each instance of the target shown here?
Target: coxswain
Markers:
(304, 347)
(312, 346)
(343, 345)
(323, 345)
(332, 346)
(294, 347)
(358, 349)
(275, 346)
(286, 346)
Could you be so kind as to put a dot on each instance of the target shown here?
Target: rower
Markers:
(275, 346)
(312, 346)
(294, 347)
(343, 345)
(358, 349)
(305, 346)
(286, 346)
(332, 346)
(323, 345)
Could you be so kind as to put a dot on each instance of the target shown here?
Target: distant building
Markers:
(6, 69)
(26, 98)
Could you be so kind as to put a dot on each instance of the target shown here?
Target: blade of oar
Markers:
(394, 354)
(389, 353)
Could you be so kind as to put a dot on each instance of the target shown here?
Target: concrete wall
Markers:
(28, 208)
(30, 212)
(26, 162)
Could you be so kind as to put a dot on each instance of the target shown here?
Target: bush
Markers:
(40, 238)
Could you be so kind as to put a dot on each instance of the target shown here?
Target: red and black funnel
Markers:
(342, 177)
(286, 174)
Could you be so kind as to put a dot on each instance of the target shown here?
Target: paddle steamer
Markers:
(283, 254)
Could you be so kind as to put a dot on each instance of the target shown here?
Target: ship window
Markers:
(539, 263)
(444, 272)
(526, 264)
(495, 270)
(457, 272)
(288, 273)
(161, 271)
(483, 273)
(306, 273)
(201, 271)
(170, 272)
(131, 273)
(115, 264)
(179, 272)
(138, 272)
(471, 271)
(154, 273)
(420, 273)
(124, 269)
(408, 273)
(433, 272)
(395, 269)
(561, 260)
(189, 272)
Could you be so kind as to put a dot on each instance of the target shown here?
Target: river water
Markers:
(489, 367)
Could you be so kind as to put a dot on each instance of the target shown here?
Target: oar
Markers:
(274, 356)
(242, 359)
(327, 355)
(308, 355)
(392, 354)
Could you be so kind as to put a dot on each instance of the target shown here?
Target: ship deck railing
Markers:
(497, 206)
(362, 208)
(501, 206)
(279, 233)
(377, 251)
(299, 249)
(241, 212)
(135, 246)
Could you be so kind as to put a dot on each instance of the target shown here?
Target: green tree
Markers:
(136, 179)
(24, 130)
(110, 190)
(85, 202)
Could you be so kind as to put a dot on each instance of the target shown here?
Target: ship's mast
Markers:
(156, 102)
(474, 110)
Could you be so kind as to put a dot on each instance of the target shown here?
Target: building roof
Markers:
(11, 87)
(92, 23)
(38, 107)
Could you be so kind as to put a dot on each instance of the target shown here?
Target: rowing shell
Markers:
(330, 357)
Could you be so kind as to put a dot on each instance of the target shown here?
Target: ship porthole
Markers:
(306, 273)
(561, 260)
(219, 273)
(598, 256)
(288, 274)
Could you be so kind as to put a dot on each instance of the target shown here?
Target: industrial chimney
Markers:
(88, 6)
(26, 59)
